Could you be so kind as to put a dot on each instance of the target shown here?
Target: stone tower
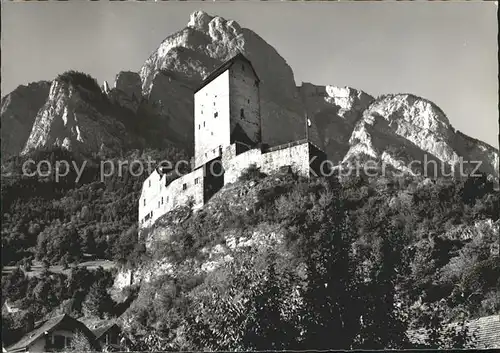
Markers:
(226, 110)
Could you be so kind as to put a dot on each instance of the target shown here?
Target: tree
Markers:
(243, 307)
(383, 325)
(80, 343)
(98, 301)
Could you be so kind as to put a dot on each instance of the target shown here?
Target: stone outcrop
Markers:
(69, 120)
(18, 112)
(335, 111)
(404, 127)
(127, 92)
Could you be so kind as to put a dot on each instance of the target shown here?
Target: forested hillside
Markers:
(332, 265)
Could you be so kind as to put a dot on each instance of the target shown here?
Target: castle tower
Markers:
(227, 110)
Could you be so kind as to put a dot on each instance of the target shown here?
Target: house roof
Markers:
(47, 326)
(485, 329)
(100, 331)
(226, 65)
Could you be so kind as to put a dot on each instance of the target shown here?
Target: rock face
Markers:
(335, 111)
(127, 91)
(18, 112)
(407, 128)
(189, 55)
(68, 119)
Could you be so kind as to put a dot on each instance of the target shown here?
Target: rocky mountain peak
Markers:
(18, 111)
(73, 117)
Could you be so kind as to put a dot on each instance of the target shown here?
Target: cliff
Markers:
(18, 112)
(74, 117)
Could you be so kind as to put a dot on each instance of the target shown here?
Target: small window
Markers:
(202, 112)
(151, 213)
(203, 124)
(211, 133)
(216, 114)
(199, 126)
(242, 113)
(167, 198)
(158, 204)
(184, 186)
(162, 200)
(248, 101)
(150, 183)
(214, 104)
(196, 181)
(243, 67)
(144, 202)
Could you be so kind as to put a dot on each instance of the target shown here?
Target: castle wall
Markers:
(234, 165)
(294, 155)
(244, 100)
(166, 198)
(152, 189)
(211, 119)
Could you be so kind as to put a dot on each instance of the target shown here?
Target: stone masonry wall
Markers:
(296, 156)
(234, 165)
(244, 100)
(177, 193)
(211, 119)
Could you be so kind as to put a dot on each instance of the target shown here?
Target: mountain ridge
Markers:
(344, 121)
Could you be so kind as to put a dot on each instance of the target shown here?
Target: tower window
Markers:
(162, 200)
(184, 186)
(196, 181)
(242, 113)
(216, 114)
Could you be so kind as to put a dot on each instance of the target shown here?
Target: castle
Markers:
(227, 135)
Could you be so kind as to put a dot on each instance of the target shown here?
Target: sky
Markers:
(443, 51)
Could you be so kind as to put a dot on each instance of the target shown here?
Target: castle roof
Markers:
(226, 65)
